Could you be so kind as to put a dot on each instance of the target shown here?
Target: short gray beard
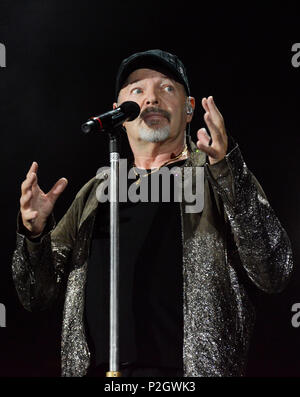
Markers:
(154, 135)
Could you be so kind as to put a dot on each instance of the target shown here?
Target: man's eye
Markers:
(169, 88)
(136, 91)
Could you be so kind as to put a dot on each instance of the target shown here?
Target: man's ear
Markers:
(190, 104)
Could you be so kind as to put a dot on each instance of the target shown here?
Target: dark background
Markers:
(62, 58)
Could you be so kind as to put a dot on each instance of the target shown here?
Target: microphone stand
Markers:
(114, 258)
(108, 122)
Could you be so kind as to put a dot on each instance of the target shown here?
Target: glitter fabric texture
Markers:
(236, 233)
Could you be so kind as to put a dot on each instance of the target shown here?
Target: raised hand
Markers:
(215, 123)
(35, 205)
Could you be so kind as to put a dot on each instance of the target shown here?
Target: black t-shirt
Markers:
(151, 285)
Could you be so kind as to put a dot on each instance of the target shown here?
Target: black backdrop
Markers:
(61, 62)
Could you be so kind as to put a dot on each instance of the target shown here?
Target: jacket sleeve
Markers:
(263, 244)
(39, 267)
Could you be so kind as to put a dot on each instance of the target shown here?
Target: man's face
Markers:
(163, 106)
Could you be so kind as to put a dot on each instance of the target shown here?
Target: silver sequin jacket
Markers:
(236, 234)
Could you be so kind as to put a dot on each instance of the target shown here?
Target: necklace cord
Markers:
(184, 152)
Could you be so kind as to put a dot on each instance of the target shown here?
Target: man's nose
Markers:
(152, 97)
(152, 101)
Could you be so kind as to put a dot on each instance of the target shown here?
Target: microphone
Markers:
(105, 122)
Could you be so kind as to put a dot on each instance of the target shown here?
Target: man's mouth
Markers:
(155, 115)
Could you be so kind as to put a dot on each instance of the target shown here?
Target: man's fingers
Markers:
(29, 181)
(33, 168)
(203, 136)
(214, 130)
(205, 105)
(25, 199)
(29, 216)
(211, 108)
(215, 123)
(215, 113)
(210, 151)
(58, 188)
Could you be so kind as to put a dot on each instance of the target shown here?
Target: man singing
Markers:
(184, 310)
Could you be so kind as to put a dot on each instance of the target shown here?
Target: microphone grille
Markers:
(131, 109)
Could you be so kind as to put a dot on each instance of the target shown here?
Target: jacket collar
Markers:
(197, 158)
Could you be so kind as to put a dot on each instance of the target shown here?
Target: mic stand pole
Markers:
(114, 258)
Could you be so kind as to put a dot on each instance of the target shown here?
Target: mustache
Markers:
(154, 109)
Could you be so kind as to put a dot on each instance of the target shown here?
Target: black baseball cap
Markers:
(153, 59)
